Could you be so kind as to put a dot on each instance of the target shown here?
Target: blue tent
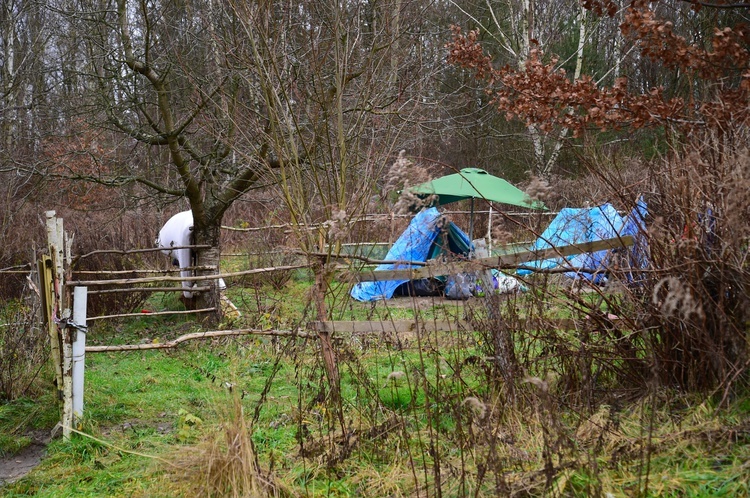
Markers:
(578, 225)
(425, 238)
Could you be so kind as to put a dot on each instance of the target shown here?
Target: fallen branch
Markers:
(200, 335)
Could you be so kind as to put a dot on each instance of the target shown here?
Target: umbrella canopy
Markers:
(475, 183)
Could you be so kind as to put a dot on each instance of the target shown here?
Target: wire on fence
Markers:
(150, 313)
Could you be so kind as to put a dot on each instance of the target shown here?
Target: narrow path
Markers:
(14, 467)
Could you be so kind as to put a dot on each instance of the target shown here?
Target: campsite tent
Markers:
(578, 225)
(474, 183)
(425, 238)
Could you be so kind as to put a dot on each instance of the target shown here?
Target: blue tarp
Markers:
(578, 225)
(417, 243)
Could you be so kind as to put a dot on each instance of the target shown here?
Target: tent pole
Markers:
(471, 222)
(489, 231)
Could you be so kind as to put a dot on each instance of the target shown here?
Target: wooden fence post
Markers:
(59, 313)
(46, 269)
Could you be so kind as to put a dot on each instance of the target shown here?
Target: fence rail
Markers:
(144, 272)
(68, 335)
(125, 252)
(385, 216)
(511, 260)
(151, 313)
(193, 278)
(147, 289)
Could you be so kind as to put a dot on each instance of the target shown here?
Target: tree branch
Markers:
(714, 5)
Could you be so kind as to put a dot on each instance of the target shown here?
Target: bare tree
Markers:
(340, 86)
(162, 76)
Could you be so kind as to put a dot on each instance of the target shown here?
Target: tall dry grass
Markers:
(224, 464)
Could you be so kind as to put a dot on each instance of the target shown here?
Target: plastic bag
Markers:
(460, 286)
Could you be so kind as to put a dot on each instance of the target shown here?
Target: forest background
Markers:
(118, 114)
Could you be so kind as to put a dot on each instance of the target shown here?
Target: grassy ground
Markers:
(418, 412)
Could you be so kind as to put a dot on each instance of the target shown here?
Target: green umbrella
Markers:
(475, 183)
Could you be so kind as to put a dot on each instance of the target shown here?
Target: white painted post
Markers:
(79, 349)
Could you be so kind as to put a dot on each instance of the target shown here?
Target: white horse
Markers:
(177, 232)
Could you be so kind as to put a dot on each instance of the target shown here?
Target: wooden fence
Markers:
(65, 317)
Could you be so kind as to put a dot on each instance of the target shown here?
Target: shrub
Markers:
(23, 347)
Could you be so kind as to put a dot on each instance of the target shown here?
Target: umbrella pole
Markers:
(471, 222)
(489, 231)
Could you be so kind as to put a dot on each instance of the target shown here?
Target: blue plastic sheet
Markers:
(417, 243)
(575, 226)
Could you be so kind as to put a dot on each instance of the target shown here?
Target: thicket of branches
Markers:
(115, 113)
(279, 114)
(691, 307)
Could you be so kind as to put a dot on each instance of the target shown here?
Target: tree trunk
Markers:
(210, 259)
(326, 345)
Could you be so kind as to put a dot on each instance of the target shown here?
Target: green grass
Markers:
(153, 403)
(408, 407)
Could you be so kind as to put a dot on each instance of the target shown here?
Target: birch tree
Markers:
(519, 28)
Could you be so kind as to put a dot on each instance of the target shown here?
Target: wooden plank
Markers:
(124, 281)
(502, 261)
(391, 326)
(410, 326)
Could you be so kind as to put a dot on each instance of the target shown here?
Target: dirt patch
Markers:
(137, 425)
(16, 466)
